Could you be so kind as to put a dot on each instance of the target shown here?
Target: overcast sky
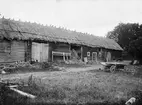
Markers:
(92, 16)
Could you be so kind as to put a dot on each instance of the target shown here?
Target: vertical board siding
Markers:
(14, 52)
(28, 45)
(51, 48)
(61, 47)
(89, 49)
(4, 55)
(35, 51)
(45, 54)
(18, 51)
(40, 52)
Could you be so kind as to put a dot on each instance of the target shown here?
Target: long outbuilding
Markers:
(25, 41)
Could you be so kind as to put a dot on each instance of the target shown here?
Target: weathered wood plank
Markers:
(23, 93)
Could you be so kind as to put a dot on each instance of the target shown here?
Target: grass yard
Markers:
(88, 87)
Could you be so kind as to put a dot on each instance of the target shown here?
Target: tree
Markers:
(129, 37)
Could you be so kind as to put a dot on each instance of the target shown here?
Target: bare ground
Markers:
(44, 74)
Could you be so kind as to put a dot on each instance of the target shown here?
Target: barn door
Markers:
(94, 56)
(36, 51)
(40, 52)
(44, 52)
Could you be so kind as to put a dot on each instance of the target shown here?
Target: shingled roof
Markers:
(11, 29)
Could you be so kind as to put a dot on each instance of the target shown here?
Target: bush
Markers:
(45, 65)
(134, 70)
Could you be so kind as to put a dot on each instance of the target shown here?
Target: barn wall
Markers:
(58, 47)
(116, 54)
(28, 50)
(5, 49)
(89, 49)
(18, 50)
(106, 55)
(23, 51)
(51, 45)
(101, 53)
(12, 51)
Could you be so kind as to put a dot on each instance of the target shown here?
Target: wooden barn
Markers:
(25, 41)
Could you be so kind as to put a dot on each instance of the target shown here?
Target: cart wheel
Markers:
(112, 68)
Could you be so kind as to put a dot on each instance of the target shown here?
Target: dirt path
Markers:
(43, 74)
(92, 67)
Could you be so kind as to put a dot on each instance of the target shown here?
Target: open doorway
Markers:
(76, 50)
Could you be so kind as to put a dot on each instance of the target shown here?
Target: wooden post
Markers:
(64, 56)
(30, 50)
(67, 57)
(96, 57)
(52, 56)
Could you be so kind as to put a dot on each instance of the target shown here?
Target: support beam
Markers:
(52, 56)
(64, 57)
(67, 57)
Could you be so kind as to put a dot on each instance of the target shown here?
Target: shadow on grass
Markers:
(12, 98)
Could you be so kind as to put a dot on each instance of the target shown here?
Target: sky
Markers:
(96, 17)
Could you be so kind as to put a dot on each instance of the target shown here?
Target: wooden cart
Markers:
(113, 66)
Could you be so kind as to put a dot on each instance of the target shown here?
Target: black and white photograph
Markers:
(70, 52)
